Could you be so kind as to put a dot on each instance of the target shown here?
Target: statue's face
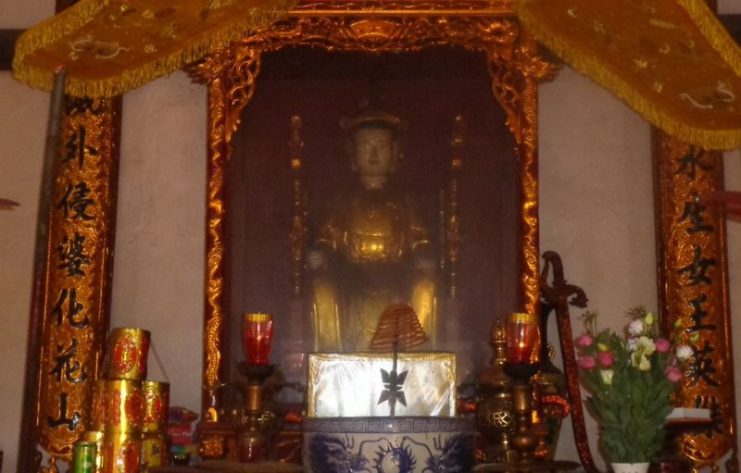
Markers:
(374, 152)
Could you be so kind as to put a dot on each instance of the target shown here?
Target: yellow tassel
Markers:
(714, 32)
(70, 20)
(594, 68)
(56, 27)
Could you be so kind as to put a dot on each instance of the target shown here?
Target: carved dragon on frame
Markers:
(371, 27)
(512, 58)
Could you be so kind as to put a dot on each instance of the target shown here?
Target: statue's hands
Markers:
(316, 260)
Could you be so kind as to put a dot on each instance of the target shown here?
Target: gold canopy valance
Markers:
(670, 60)
(110, 46)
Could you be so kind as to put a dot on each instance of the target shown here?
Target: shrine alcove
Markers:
(427, 90)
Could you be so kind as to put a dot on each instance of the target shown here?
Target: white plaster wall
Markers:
(17, 14)
(22, 129)
(160, 239)
(596, 203)
(729, 6)
(595, 174)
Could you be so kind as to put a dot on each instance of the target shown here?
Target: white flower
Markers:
(632, 343)
(635, 327)
(606, 376)
(645, 346)
(683, 352)
(640, 361)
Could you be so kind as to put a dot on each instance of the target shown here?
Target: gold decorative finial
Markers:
(498, 334)
(498, 342)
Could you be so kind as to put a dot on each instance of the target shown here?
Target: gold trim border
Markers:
(515, 68)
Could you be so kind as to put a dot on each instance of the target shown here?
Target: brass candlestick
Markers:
(257, 337)
(256, 419)
(523, 350)
(495, 416)
(524, 440)
(512, 380)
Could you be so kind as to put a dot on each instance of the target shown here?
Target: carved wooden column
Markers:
(78, 274)
(70, 309)
(693, 299)
(67, 343)
(230, 76)
(515, 76)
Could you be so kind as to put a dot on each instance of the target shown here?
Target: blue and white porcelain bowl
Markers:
(388, 445)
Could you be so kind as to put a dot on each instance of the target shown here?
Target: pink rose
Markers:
(585, 340)
(673, 374)
(587, 362)
(663, 345)
(606, 359)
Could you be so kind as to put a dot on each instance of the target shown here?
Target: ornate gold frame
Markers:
(371, 26)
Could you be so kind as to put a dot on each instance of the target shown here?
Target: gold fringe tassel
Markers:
(714, 32)
(71, 19)
(593, 68)
(56, 27)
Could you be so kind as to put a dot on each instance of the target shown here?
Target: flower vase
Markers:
(630, 467)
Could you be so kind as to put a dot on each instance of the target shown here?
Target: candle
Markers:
(523, 339)
(257, 336)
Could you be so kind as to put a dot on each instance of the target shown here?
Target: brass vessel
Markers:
(495, 416)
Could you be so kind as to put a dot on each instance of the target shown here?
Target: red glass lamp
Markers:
(523, 339)
(257, 338)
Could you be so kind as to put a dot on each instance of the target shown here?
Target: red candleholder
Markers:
(523, 339)
(257, 337)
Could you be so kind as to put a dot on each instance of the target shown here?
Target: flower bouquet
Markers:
(630, 379)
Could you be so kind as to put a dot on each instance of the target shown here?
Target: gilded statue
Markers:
(372, 247)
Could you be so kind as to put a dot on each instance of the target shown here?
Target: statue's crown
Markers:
(372, 117)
